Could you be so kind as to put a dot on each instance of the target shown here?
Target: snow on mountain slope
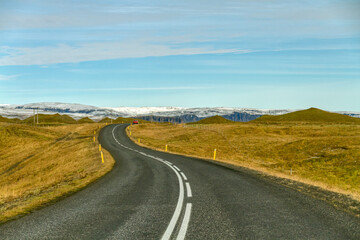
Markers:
(199, 112)
(96, 113)
(74, 110)
(140, 111)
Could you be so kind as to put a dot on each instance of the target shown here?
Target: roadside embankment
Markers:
(39, 165)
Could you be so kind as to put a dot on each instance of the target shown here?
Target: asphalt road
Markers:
(156, 195)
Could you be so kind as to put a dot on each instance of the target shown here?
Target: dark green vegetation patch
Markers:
(212, 120)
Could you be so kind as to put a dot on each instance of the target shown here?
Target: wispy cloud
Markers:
(174, 88)
(97, 51)
(8, 77)
(50, 32)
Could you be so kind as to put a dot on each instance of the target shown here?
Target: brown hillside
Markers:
(213, 120)
(51, 119)
(85, 120)
(308, 115)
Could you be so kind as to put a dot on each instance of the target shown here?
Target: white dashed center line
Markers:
(183, 175)
(188, 189)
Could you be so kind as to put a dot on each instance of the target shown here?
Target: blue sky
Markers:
(261, 54)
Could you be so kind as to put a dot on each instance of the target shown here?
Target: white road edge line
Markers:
(176, 168)
(183, 175)
(185, 222)
(170, 228)
(188, 189)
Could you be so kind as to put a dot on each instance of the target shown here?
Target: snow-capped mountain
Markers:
(141, 111)
(178, 114)
(174, 114)
(74, 110)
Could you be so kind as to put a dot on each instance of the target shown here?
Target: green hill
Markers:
(308, 115)
(51, 119)
(85, 120)
(123, 120)
(106, 120)
(9, 120)
(120, 120)
(211, 120)
(128, 120)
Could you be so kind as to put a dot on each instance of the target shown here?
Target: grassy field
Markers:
(325, 155)
(40, 164)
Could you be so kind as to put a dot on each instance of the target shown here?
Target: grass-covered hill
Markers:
(212, 120)
(106, 120)
(128, 120)
(51, 119)
(85, 120)
(123, 120)
(9, 120)
(308, 115)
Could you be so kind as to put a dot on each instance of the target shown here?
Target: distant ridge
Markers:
(123, 120)
(51, 118)
(213, 120)
(106, 120)
(153, 114)
(85, 120)
(309, 115)
(9, 120)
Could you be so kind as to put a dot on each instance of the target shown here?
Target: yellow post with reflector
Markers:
(166, 148)
(102, 157)
(214, 153)
(94, 138)
(138, 140)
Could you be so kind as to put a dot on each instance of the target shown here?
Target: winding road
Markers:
(157, 195)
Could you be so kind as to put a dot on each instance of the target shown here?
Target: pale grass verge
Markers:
(39, 165)
(320, 155)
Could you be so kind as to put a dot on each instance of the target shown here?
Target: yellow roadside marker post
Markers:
(138, 140)
(94, 138)
(214, 153)
(166, 148)
(99, 147)
(102, 157)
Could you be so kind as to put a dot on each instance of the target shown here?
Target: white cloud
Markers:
(144, 89)
(97, 51)
(174, 88)
(8, 77)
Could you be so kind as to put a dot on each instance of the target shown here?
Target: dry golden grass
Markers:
(325, 155)
(41, 164)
